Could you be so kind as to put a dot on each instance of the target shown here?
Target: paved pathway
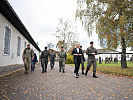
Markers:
(55, 85)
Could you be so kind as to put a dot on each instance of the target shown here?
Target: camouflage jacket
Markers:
(28, 53)
(62, 55)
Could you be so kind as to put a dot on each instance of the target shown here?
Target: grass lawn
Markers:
(114, 69)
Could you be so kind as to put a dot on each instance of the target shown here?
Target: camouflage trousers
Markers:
(62, 64)
(27, 64)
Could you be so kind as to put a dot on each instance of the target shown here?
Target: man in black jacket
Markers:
(44, 59)
(77, 52)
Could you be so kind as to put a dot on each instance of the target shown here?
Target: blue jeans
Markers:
(32, 66)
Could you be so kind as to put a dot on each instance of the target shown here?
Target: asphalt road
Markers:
(55, 85)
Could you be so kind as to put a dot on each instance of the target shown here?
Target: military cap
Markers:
(45, 47)
(81, 46)
(91, 42)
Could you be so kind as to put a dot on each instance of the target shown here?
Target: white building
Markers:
(111, 53)
(14, 37)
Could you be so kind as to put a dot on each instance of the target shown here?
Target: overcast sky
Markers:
(41, 18)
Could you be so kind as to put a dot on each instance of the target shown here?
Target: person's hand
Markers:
(75, 54)
(93, 53)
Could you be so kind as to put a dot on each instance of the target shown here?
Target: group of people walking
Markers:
(45, 54)
(79, 59)
(29, 56)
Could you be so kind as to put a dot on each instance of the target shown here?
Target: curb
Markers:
(11, 72)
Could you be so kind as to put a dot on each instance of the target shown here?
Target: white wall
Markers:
(12, 58)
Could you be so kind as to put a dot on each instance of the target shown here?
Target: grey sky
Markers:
(41, 18)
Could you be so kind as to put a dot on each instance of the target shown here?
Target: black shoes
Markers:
(26, 73)
(94, 76)
(63, 71)
(83, 72)
(77, 75)
(60, 70)
(44, 71)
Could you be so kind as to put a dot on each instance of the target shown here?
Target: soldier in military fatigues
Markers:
(82, 61)
(27, 56)
(91, 52)
(62, 57)
(44, 59)
(52, 59)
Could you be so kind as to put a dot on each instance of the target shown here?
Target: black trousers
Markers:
(77, 66)
(44, 63)
(52, 63)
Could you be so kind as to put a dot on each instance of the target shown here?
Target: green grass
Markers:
(114, 69)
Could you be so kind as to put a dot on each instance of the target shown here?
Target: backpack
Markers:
(45, 54)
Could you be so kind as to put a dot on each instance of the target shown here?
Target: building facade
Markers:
(14, 37)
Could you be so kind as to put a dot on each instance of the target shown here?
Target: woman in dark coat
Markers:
(33, 62)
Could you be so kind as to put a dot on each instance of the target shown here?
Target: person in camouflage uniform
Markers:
(91, 52)
(44, 59)
(62, 57)
(27, 56)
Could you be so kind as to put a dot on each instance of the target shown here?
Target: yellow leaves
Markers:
(113, 95)
(5, 97)
(46, 95)
(25, 92)
(88, 93)
(77, 92)
(125, 97)
(90, 88)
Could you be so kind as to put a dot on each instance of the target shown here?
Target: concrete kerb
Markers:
(7, 70)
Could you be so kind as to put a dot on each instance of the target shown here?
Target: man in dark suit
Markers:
(77, 52)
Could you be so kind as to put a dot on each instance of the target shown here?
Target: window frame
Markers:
(18, 37)
(4, 54)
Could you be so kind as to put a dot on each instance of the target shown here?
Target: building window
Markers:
(116, 55)
(19, 46)
(7, 40)
(25, 45)
(127, 56)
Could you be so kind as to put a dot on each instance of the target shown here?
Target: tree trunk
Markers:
(123, 55)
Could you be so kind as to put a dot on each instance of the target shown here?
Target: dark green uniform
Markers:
(44, 60)
(91, 59)
(62, 58)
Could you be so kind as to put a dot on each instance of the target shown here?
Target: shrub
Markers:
(69, 59)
